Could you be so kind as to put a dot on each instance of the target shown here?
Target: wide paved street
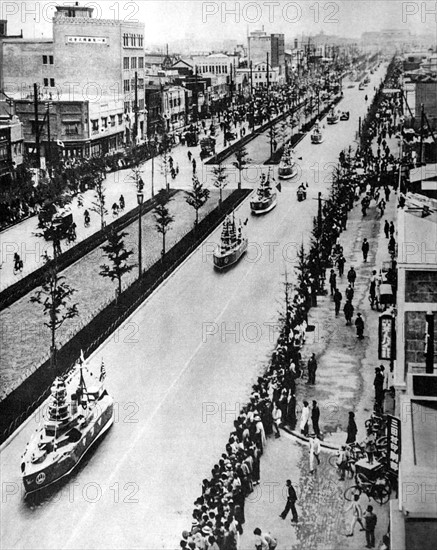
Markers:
(177, 386)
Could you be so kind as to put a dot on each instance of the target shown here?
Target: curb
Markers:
(305, 439)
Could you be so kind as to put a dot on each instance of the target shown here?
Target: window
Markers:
(95, 126)
(104, 122)
(44, 60)
(141, 104)
(141, 62)
(140, 40)
(46, 82)
(125, 39)
(52, 83)
(51, 59)
(112, 120)
(125, 63)
(120, 118)
(71, 128)
(133, 83)
(126, 106)
(126, 85)
(140, 83)
(133, 63)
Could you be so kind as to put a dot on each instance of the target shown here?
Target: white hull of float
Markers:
(63, 465)
(317, 139)
(287, 172)
(222, 261)
(262, 207)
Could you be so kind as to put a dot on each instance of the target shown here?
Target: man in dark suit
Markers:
(315, 416)
(291, 503)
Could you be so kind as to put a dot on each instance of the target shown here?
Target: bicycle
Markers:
(348, 466)
(379, 490)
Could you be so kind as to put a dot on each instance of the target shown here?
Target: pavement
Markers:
(344, 382)
(178, 370)
(21, 237)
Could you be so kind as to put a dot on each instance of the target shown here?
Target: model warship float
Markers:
(232, 244)
(75, 420)
(287, 167)
(333, 117)
(316, 135)
(266, 199)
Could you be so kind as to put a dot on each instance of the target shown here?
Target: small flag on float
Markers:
(102, 372)
(278, 186)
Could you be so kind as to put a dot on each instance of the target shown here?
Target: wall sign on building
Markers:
(386, 337)
(393, 443)
(87, 40)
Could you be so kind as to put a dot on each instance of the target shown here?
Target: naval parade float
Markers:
(316, 135)
(79, 412)
(232, 245)
(333, 117)
(287, 167)
(266, 199)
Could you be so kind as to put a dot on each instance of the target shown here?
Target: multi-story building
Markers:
(11, 141)
(426, 95)
(91, 61)
(173, 107)
(413, 446)
(261, 44)
(262, 77)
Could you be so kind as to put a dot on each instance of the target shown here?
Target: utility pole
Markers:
(429, 343)
(251, 79)
(136, 109)
(267, 67)
(37, 143)
(422, 113)
(49, 147)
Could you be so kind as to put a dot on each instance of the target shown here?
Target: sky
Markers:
(206, 21)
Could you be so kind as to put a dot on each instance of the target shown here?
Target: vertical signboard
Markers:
(386, 337)
(393, 443)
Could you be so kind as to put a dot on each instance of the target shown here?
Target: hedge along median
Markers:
(25, 399)
(220, 157)
(296, 138)
(70, 256)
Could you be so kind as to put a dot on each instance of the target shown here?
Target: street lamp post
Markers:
(140, 199)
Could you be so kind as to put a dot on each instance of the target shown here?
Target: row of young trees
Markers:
(56, 295)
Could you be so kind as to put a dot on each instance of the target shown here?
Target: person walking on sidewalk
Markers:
(189, 155)
(386, 229)
(349, 293)
(351, 276)
(392, 229)
(378, 384)
(359, 324)
(365, 249)
(291, 503)
(333, 281)
(314, 451)
(305, 416)
(357, 515)
(348, 312)
(351, 429)
(341, 260)
(291, 411)
(337, 301)
(315, 417)
(370, 521)
(277, 418)
(312, 367)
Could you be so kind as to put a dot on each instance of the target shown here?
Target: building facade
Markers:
(261, 44)
(89, 60)
(413, 515)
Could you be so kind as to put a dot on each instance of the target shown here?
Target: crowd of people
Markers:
(218, 516)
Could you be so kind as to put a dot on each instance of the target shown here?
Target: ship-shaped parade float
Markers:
(266, 199)
(233, 244)
(79, 412)
(287, 167)
(317, 135)
(333, 117)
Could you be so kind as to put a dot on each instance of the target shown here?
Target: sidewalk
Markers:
(344, 382)
(21, 238)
